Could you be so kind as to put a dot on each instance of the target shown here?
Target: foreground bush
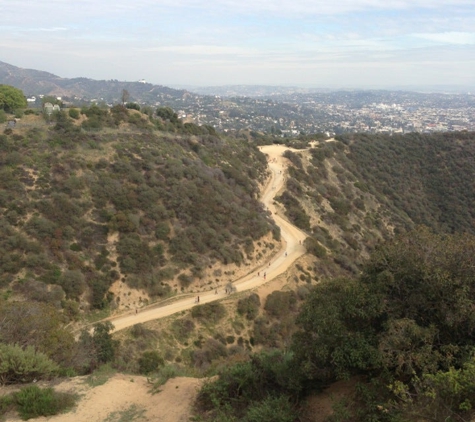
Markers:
(19, 365)
(272, 409)
(251, 391)
(33, 402)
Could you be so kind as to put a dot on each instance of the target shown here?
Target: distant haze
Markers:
(411, 44)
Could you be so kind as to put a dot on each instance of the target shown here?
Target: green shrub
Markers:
(294, 210)
(209, 312)
(271, 409)
(33, 402)
(249, 306)
(279, 303)
(313, 246)
(74, 113)
(182, 329)
(21, 366)
(101, 375)
(132, 106)
(6, 404)
(150, 361)
(212, 349)
(165, 373)
(246, 388)
(73, 284)
(140, 331)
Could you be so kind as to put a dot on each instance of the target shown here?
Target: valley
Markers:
(291, 249)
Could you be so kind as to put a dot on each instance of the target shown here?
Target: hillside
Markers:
(111, 210)
(155, 211)
(359, 189)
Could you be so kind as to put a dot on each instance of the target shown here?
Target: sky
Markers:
(308, 43)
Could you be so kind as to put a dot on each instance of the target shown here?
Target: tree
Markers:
(403, 323)
(167, 113)
(95, 348)
(11, 98)
(104, 344)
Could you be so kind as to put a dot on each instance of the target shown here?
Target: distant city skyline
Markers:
(349, 43)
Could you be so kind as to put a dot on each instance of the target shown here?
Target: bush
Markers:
(6, 404)
(182, 329)
(209, 312)
(140, 331)
(249, 306)
(33, 402)
(313, 246)
(211, 350)
(132, 106)
(21, 366)
(279, 304)
(244, 390)
(150, 361)
(73, 284)
(272, 409)
(73, 113)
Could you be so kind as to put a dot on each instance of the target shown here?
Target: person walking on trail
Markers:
(198, 299)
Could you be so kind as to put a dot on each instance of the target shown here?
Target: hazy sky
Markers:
(318, 43)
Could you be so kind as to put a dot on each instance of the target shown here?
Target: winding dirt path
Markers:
(292, 242)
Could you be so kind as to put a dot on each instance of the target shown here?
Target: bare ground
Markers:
(126, 398)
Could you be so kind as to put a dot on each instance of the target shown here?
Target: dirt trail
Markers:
(292, 242)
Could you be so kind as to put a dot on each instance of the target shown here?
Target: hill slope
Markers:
(359, 189)
(155, 210)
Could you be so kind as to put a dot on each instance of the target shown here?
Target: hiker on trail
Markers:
(258, 273)
(264, 276)
(198, 299)
(285, 253)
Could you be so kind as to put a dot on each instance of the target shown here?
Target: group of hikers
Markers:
(228, 290)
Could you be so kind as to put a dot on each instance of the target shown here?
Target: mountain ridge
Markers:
(34, 82)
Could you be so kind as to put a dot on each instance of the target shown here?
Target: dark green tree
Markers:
(105, 346)
(11, 98)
